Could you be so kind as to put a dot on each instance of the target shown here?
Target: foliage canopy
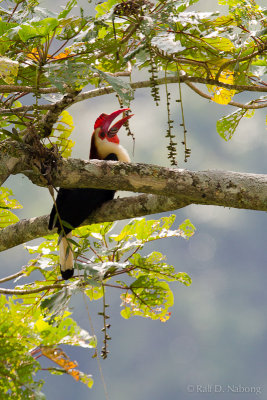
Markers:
(54, 57)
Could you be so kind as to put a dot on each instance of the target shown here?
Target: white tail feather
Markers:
(65, 253)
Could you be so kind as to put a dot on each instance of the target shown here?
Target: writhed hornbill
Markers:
(73, 206)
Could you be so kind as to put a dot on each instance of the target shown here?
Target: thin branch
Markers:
(31, 291)
(241, 59)
(118, 209)
(138, 85)
(23, 109)
(26, 89)
(50, 118)
(249, 106)
(11, 277)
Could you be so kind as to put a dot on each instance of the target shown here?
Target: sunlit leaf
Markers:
(67, 9)
(105, 7)
(149, 298)
(8, 70)
(123, 88)
(60, 136)
(16, 362)
(7, 204)
(223, 20)
(167, 43)
(227, 125)
(34, 29)
(223, 95)
(58, 356)
(187, 228)
(220, 43)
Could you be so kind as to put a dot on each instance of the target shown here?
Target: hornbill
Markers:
(73, 206)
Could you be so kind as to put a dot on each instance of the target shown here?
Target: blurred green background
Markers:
(214, 343)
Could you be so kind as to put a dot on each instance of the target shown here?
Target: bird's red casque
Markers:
(103, 123)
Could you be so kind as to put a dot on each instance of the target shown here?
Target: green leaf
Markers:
(155, 265)
(167, 43)
(56, 304)
(67, 9)
(66, 331)
(123, 88)
(146, 230)
(86, 379)
(7, 204)
(68, 72)
(104, 8)
(220, 43)
(5, 41)
(17, 366)
(227, 125)
(8, 70)
(187, 228)
(149, 298)
(94, 292)
(60, 137)
(34, 29)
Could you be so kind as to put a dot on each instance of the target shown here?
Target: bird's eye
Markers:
(102, 134)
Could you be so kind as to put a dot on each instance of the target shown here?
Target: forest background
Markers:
(217, 330)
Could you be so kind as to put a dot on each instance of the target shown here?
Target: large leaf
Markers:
(227, 125)
(34, 29)
(67, 9)
(61, 133)
(8, 70)
(104, 8)
(123, 88)
(222, 95)
(7, 204)
(149, 298)
(5, 41)
(167, 43)
(70, 72)
(220, 43)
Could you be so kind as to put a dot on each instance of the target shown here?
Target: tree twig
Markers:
(144, 84)
(253, 105)
(31, 291)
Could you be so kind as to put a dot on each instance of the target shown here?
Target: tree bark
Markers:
(221, 188)
(166, 188)
(118, 209)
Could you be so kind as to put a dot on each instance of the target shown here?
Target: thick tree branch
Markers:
(118, 209)
(167, 188)
(12, 159)
(224, 188)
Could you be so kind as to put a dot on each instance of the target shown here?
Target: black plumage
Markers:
(75, 205)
